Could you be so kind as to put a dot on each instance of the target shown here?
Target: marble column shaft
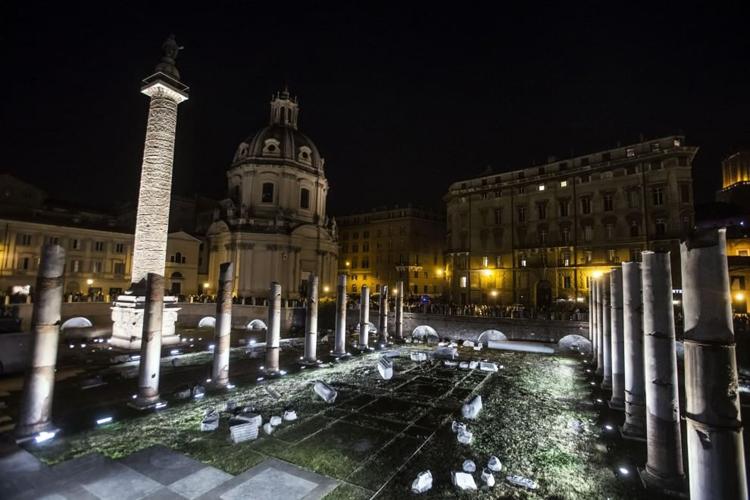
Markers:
(617, 338)
(273, 335)
(149, 364)
(599, 327)
(223, 326)
(152, 216)
(606, 333)
(716, 458)
(311, 320)
(39, 384)
(399, 313)
(383, 315)
(635, 391)
(339, 348)
(364, 316)
(663, 437)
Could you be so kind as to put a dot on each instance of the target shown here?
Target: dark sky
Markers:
(401, 100)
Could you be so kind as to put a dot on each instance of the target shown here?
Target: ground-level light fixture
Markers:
(104, 420)
(44, 436)
(623, 470)
(160, 405)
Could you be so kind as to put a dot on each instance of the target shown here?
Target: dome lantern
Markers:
(284, 109)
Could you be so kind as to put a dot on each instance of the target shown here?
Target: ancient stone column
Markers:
(594, 325)
(663, 437)
(223, 326)
(39, 384)
(364, 317)
(591, 321)
(606, 333)
(311, 320)
(399, 313)
(152, 216)
(273, 334)
(383, 315)
(635, 392)
(339, 346)
(716, 459)
(599, 327)
(148, 367)
(617, 336)
(166, 92)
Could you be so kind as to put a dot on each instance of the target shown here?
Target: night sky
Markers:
(400, 100)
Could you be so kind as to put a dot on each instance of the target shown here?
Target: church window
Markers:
(304, 198)
(267, 194)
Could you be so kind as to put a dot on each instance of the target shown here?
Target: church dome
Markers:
(281, 142)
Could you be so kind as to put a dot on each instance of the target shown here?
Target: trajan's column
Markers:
(152, 221)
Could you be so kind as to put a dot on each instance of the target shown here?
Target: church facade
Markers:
(273, 224)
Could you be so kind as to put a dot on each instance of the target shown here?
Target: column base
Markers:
(616, 405)
(365, 348)
(633, 433)
(310, 362)
(606, 385)
(215, 387)
(127, 322)
(26, 433)
(339, 355)
(147, 403)
(673, 487)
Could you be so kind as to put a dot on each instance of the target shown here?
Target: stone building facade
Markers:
(384, 246)
(273, 224)
(535, 236)
(98, 244)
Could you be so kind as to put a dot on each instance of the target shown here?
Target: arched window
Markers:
(267, 194)
(304, 198)
(354, 288)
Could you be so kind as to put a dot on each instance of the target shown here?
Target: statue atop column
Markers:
(171, 50)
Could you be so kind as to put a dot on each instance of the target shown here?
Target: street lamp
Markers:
(89, 282)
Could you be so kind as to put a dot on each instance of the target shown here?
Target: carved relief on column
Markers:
(152, 217)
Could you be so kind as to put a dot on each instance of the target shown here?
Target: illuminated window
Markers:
(630, 152)
(563, 184)
(541, 187)
(463, 281)
(742, 253)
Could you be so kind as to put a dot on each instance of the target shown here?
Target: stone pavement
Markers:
(152, 473)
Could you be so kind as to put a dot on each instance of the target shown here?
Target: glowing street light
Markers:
(596, 275)
(739, 296)
(487, 272)
(326, 289)
(89, 282)
(493, 293)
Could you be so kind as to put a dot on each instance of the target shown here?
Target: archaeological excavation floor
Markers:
(540, 417)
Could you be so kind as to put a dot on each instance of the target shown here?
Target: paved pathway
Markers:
(151, 473)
